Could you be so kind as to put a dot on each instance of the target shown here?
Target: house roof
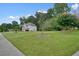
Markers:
(31, 24)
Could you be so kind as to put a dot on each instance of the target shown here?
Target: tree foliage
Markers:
(15, 25)
(67, 21)
(4, 27)
(60, 8)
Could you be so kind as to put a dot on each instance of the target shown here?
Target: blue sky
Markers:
(12, 11)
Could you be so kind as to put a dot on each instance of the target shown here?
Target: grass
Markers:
(50, 43)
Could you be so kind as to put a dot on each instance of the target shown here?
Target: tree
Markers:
(9, 26)
(61, 8)
(51, 24)
(15, 26)
(40, 18)
(22, 20)
(52, 16)
(4, 27)
(1, 29)
(50, 13)
(67, 21)
(30, 19)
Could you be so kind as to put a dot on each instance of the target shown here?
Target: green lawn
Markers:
(50, 43)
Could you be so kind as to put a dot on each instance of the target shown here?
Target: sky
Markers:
(12, 11)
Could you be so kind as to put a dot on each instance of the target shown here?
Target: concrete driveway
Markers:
(7, 49)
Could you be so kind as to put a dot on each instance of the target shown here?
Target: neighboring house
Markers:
(29, 27)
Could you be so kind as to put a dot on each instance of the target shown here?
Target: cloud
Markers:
(28, 15)
(13, 17)
(42, 11)
(75, 6)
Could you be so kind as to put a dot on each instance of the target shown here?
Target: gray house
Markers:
(29, 27)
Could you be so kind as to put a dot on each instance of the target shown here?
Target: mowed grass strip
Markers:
(50, 43)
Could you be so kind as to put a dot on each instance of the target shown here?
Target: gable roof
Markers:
(29, 24)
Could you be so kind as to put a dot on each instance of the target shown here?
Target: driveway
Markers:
(7, 49)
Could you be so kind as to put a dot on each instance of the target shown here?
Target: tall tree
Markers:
(9, 26)
(22, 20)
(60, 8)
(4, 27)
(67, 21)
(40, 18)
(50, 13)
(30, 19)
(15, 25)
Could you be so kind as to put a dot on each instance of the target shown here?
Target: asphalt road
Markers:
(76, 54)
(7, 49)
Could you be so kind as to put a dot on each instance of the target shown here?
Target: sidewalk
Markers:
(7, 49)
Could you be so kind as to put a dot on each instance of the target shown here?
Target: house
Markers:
(29, 27)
